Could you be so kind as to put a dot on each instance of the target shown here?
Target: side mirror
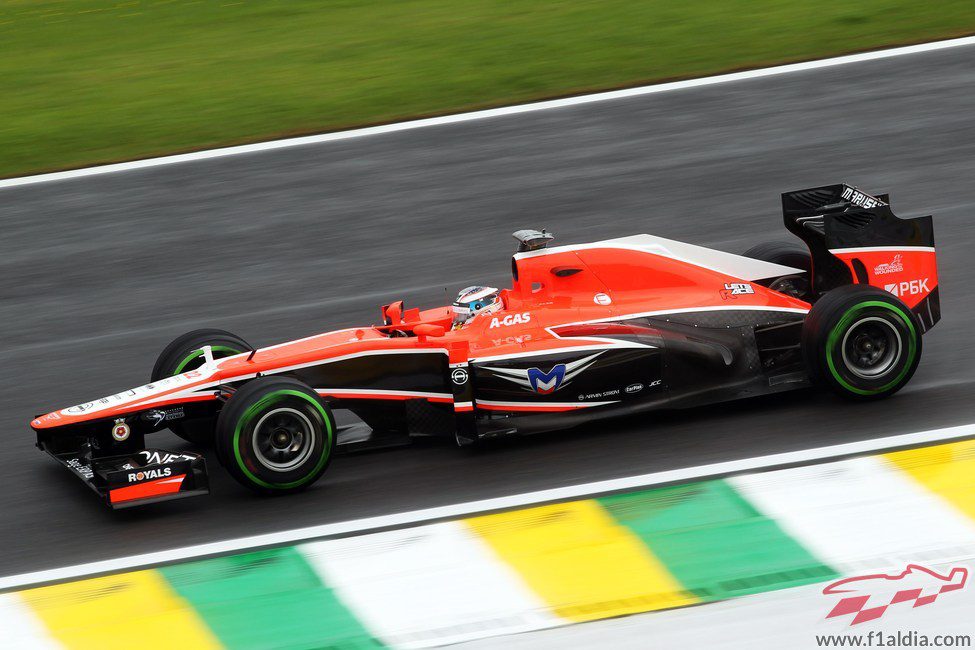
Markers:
(423, 330)
(393, 313)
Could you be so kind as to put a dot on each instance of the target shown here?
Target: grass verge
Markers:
(89, 81)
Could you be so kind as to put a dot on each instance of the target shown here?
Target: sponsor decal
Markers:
(545, 382)
(893, 266)
(154, 417)
(82, 468)
(163, 457)
(459, 376)
(511, 319)
(602, 299)
(79, 409)
(636, 388)
(133, 394)
(174, 413)
(868, 597)
(608, 393)
(512, 340)
(908, 287)
(856, 197)
(121, 430)
(157, 416)
(732, 289)
(145, 475)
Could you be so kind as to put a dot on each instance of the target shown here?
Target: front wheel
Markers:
(275, 435)
(861, 342)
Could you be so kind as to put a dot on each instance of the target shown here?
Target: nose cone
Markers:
(170, 390)
(47, 421)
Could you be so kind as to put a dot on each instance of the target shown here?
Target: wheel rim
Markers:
(283, 439)
(871, 347)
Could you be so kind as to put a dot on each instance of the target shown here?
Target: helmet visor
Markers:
(464, 311)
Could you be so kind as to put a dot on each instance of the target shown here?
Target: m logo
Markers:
(544, 382)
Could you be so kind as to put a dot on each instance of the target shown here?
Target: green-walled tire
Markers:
(186, 353)
(275, 435)
(861, 342)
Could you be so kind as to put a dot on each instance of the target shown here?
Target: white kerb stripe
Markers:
(860, 515)
(20, 628)
(494, 112)
(426, 586)
(488, 505)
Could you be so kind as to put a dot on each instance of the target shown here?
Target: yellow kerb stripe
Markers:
(947, 470)
(582, 563)
(122, 611)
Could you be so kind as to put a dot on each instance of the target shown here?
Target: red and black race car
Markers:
(585, 331)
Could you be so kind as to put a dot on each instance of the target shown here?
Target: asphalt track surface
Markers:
(98, 274)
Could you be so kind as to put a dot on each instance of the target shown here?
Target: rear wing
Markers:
(855, 238)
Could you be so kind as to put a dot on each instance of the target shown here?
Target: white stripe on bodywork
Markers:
(555, 404)
(882, 249)
(573, 348)
(352, 355)
(736, 266)
(339, 392)
(426, 586)
(193, 391)
(667, 312)
(860, 515)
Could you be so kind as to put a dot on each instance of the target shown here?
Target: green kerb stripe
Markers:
(714, 542)
(268, 599)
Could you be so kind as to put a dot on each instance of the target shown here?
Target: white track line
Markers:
(494, 112)
(486, 505)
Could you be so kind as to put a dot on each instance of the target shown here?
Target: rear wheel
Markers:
(275, 435)
(861, 342)
(791, 254)
(185, 353)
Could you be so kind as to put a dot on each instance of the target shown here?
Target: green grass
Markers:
(89, 81)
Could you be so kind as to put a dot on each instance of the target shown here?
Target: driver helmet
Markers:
(473, 301)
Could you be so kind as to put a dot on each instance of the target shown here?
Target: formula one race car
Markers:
(586, 331)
